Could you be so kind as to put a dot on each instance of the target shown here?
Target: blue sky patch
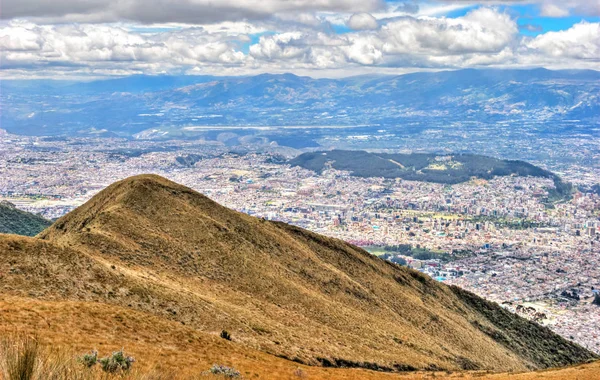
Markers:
(254, 38)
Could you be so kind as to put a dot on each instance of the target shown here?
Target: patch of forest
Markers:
(428, 167)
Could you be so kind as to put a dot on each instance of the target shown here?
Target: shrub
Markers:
(89, 360)
(228, 372)
(225, 335)
(116, 362)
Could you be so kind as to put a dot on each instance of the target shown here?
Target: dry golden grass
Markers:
(165, 349)
(161, 270)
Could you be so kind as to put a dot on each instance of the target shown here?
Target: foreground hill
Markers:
(157, 250)
(15, 221)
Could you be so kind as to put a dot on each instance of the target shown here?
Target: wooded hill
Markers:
(427, 167)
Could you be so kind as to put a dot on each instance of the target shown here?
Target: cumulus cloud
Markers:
(280, 46)
(25, 45)
(364, 50)
(405, 41)
(483, 37)
(548, 8)
(304, 18)
(302, 49)
(362, 21)
(564, 8)
(581, 41)
(183, 11)
(482, 30)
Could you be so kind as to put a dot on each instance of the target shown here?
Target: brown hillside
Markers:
(160, 346)
(149, 245)
(169, 350)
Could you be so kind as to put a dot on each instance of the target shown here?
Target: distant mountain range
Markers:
(162, 270)
(15, 221)
(128, 106)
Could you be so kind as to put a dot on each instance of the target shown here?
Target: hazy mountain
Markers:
(156, 255)
(139, 103)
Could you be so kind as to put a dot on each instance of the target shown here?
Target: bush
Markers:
(228, 372)
(225, 335)
(89, 360)
(116, 362)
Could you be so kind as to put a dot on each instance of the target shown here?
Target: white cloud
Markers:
(305, 18)
(362, 21)
(28, 45)
(19, 38)
(364, 50)
(553, 10)
(483, 37)
(581, 41)
(564, 8)
(280, 46)
(482, 30)
(184, 11)
(548, 8)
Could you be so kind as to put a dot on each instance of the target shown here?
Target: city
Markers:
(497, 238)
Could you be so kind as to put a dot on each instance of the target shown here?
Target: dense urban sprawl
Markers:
(497, 238)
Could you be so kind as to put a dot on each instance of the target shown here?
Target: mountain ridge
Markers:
(171, 81)
(285, 99)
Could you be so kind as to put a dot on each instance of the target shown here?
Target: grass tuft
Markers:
(19, 358)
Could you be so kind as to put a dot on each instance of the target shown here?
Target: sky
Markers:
(320, 38)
